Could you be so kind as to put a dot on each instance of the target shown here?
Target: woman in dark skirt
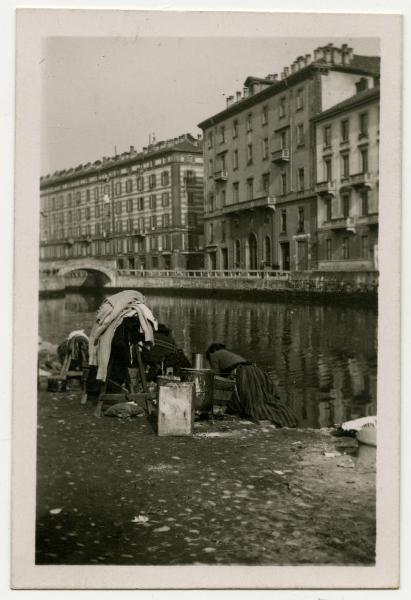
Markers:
(254, 394)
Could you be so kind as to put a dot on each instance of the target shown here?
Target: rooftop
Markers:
(325, 57)
(183, 143)
(360, 98)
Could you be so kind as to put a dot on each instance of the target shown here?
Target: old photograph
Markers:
(209, 264)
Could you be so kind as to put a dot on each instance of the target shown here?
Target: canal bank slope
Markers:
(112, 492)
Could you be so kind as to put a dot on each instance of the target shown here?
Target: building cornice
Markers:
(279, 87)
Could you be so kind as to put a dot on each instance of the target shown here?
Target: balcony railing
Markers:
(325, 187)
(371, 219)
(362, 179)
(338, 223)
(139, 232)
(202, 273)
(281, 155)
(263, 202)
(221, 175)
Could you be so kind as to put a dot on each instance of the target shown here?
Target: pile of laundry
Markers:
(113, 312)
(76, 346)
(364, 429)
(124, 410)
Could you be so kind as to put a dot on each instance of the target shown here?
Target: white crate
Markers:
(176, 408)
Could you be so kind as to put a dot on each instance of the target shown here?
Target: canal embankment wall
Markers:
(321, 284)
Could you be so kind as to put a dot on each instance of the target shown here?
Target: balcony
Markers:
(280, 156)
(221, 175)
(370, 220)
(139, 233)
(325, 187)
(362, 180)
(256, 203)
(347, 223)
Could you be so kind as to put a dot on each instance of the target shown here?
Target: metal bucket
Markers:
(199, 361)
(203, 386)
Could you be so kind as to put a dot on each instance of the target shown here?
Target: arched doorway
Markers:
(252, 252)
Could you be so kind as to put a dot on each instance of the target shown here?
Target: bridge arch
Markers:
(90, 267)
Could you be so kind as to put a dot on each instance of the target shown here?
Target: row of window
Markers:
(300, 222)
(250, 189)
(346, 205)
(345, 164)
(161, 243)
(114, 188)
(343, 252)
(139, 225)
(282, 112)
(344, 126)
(222, 160)
(129, 205)
(153, 199)
(283, 225)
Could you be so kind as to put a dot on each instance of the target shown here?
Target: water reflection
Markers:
(325, 357)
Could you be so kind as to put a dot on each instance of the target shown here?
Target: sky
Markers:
(100, 95)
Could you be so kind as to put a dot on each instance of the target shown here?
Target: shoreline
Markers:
(234, 492)
(366, 300)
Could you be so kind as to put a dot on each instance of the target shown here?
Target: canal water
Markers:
(324, 356)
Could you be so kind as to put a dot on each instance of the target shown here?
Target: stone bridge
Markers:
(62, 268)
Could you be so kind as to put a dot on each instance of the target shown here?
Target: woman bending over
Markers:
(254, 394)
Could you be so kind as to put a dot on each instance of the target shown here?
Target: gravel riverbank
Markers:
(112, 492)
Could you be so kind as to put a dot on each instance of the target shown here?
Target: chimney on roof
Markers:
(337, 57)
(294, 67)
(318, 53)
(245, 92)
(328, 53)
(300, 62)
(286, 71)
(307, 59)
(346, 54)
(229, 100)
(237, 96)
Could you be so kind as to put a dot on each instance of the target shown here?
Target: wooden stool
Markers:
(81, 375)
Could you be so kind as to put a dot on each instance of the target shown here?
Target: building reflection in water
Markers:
(324, 358)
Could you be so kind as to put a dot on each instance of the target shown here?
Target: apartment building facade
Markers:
(347, 151)
(143, 209)
(259, 162)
